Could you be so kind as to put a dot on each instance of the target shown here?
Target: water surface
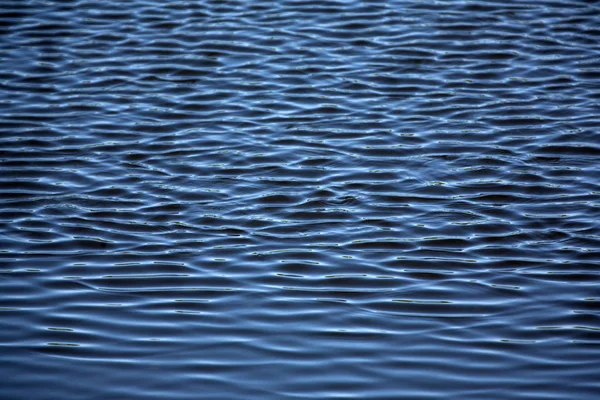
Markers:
(299, 199)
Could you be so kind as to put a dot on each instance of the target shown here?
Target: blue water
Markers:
(299, 199)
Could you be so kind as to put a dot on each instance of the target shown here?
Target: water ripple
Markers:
(299, 199)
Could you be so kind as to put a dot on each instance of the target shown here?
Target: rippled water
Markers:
(300, 199)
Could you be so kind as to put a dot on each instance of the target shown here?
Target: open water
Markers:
(299, 199)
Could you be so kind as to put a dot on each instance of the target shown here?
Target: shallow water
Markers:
(299, 199)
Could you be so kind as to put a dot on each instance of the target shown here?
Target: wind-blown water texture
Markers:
(300, 199)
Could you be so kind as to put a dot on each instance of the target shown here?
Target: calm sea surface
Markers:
(299, 199)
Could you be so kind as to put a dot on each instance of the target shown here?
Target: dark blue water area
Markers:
(299, 199)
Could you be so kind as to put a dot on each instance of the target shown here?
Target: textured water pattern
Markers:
(300, 199)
